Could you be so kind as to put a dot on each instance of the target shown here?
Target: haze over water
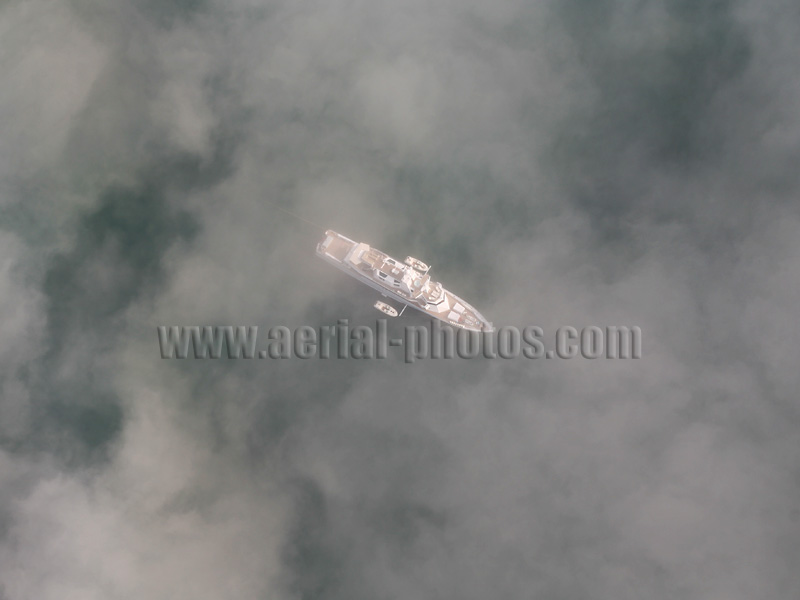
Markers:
(557, 163)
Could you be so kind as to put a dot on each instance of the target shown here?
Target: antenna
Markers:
(291, 214)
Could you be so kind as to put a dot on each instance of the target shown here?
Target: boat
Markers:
(386, 309)
(407, 282)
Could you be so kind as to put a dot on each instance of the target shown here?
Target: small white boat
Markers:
(417, 264)
(386, 309)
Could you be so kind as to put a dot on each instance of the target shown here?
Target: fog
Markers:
(558, 163)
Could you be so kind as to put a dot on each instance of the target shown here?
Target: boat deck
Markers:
(338, 248)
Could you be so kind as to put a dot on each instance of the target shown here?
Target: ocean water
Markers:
(605, 163)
